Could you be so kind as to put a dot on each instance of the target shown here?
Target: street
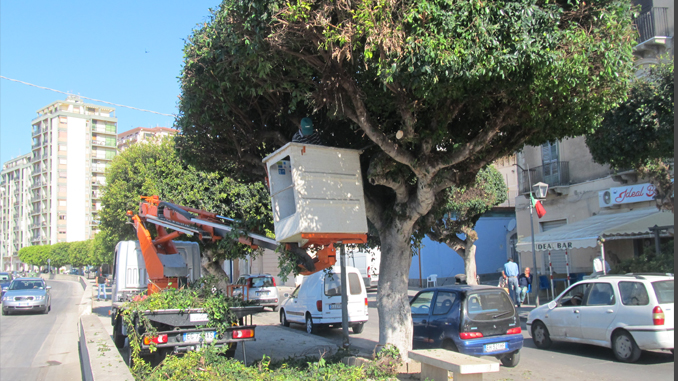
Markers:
(34, 346)
(564, 361)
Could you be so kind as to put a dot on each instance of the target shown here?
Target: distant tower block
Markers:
(315, 190)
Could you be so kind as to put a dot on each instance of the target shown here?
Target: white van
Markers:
(317, 301)
(367, 262)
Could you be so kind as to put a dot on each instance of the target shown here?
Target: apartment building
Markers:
(73, 143)
(15, 188)
(141, 134)
(591, 210)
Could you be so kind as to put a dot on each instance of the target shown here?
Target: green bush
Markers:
(209, 364)
(649, 261)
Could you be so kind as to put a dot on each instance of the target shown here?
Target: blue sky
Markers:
(125, 52)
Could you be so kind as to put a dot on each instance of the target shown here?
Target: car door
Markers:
(442, 317)
(421, 312)
(564, 321)
(598, 312)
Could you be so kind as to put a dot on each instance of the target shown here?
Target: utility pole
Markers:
(344, 296)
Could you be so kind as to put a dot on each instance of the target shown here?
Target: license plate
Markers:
(494, 347)
(198, 317)
(197, 336)
(335, 306)
(259, 293)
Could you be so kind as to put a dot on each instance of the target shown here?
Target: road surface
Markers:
(34, 346)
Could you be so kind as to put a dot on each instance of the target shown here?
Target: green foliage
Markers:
(385, 364)
(76, 254)
(641, 128)
(209, 364)
(80, 253)
(34, 255)
(201, 294)
(155, 169)
(649, 261)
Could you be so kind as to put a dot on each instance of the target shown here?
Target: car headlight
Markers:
(39, 298)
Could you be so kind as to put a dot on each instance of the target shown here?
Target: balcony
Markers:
(556, 174)
(654, 23)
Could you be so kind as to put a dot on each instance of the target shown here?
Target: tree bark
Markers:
(212, 267)
(395, 319)
(470, 262)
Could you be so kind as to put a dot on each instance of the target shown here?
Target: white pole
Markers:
(567, 267)
(553, 292)
(602, 254)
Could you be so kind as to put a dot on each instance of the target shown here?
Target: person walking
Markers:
(524, 282)
(510, 273)
(101, 284)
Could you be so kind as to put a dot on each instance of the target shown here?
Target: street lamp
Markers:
(540, 191)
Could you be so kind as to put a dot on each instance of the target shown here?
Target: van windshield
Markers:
(488, 305)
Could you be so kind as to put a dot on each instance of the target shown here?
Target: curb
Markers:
(100, 359)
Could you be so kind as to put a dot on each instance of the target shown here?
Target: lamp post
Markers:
(540, 191)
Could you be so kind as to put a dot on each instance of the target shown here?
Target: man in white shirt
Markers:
(598, 266)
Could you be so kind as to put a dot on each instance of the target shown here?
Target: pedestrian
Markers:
(306, 133)
(101, 284)
(524, 282)
(510, 273)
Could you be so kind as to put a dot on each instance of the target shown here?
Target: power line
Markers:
(92, 99)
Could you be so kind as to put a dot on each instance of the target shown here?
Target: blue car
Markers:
(473, 320)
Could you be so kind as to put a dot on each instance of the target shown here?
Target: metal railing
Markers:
(653, 23)
(554, 174)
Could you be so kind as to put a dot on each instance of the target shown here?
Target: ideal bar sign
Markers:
(554, 246)
(633, 193)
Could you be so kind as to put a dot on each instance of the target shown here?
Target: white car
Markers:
(627, 313)
(317, 301)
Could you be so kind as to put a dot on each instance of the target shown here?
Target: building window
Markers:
(62, 216)
(550, 157)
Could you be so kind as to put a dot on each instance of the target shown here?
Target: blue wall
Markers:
(491, 251)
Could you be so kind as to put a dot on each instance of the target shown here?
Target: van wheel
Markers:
(274, 308)
(511, 360)
(283, 319)
(358, 328)
(310, 327)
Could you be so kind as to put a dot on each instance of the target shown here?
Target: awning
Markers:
(585, 233)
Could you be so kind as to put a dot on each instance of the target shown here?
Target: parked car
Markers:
(627, 313)
(261, 289)
(27, 294)
(317, 301)
(5, 280)
(74, 271)
(473, 320)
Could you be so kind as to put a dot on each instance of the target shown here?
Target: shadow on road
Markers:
(603, 354)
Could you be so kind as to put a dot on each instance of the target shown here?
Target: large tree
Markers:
(430, 91)
(639, 133)
(155, 169)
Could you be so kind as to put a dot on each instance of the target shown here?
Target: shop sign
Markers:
(632, 193)
(554, 246)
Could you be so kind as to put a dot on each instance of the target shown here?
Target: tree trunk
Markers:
(212, 267)
(395, 319)
(470, 263)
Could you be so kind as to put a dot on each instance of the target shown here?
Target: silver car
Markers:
(261, 289)
(27, 294)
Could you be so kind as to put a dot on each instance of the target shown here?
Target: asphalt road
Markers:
(34, 346)
(564, 361)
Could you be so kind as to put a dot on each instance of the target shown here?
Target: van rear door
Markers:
(357, 308)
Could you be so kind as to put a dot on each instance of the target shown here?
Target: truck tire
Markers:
(357, 328)
(118, 337)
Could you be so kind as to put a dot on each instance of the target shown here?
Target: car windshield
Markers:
(26, 285)
(664, 291)
(488, 305)
(263, 281)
